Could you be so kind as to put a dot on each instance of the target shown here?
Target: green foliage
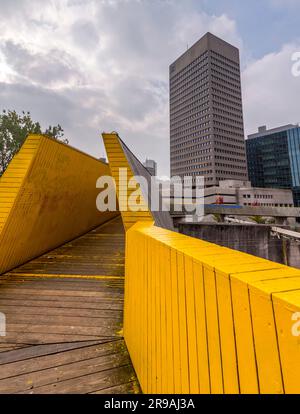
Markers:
(14, 129)
(258, 219)
(218, 218)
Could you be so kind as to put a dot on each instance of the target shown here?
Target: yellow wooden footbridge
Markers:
(195, 317)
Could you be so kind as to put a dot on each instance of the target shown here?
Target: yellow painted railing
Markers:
(47, 197)
(201, 318)
(118, 163)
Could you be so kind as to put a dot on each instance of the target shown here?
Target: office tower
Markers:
(206, 115)
(151, 166)
(274, 158)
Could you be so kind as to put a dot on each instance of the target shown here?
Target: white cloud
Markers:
(271, 92)
(100, 65)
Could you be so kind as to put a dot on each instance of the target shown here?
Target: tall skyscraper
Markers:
(151, 166)
(206, 115)
(274, 158)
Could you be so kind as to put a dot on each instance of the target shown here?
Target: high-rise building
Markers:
(274, 158)
(151, 166)
(206, 115)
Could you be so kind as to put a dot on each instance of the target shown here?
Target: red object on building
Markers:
(220, 200)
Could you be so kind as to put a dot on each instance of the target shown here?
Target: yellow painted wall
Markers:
(117, 159)
(201, 318)
(47, 197)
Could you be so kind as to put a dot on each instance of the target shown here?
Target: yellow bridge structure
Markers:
(119, 302)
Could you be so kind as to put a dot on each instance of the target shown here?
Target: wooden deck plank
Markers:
(63, 330)
(88, 383)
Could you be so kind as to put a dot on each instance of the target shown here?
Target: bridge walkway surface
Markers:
(64, 313)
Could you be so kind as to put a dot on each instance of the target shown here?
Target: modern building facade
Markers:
(241, 193)
(274, 158)
(151, 166)
(206, 115)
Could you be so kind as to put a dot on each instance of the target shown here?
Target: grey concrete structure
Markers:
(206, 116)
(254, 239)
(243, 194)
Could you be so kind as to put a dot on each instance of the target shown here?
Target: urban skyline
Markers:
(123, 84)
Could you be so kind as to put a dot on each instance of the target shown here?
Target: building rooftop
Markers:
(263, 131)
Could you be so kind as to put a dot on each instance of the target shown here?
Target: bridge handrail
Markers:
(201, 318)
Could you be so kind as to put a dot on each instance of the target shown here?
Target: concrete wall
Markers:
(253, 239)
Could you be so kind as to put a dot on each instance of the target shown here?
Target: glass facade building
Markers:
(273, 158)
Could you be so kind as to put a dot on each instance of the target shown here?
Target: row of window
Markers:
(259, 196)
(184, 114)
(194, 121)
(184, 130)
(225, 165)
(175, 155)
(204, 115)
(231, 173)
(225, 95)
(198, 75)
(225, 76)
(233, 69)
(195, 168)
(191, 103)
(233, 111)
(191, 161)
(220, 86)
(225, 59)
(230, 127)
(183, 135)
(191, 90)
(193, 141)
(222, 100)
(229, 120)
(189, 70)
(270, 205)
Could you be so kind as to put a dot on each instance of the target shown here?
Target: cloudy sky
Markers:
(102, 65)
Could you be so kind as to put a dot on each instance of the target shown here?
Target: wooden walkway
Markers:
(64, 315)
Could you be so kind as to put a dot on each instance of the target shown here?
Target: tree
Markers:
(14, 129)
(258, 219)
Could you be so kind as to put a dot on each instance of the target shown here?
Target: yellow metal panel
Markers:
(157, 300)
(117, 159)
(286, 310)
(227, 336)
(175, 324)
(246, 356)
(183, 336)
(265, 332)
(163, 316)
(53, 202)
(15, 174)
(224, 271)
(202, 345)
(191, 326)
(210, 325)
(166, 258)
(265, 341)
(213, 333)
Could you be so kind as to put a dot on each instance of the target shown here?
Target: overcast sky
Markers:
(102, 65)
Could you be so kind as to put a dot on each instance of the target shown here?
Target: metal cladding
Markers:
(48, 197)
(201, 318)
(120, 156)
